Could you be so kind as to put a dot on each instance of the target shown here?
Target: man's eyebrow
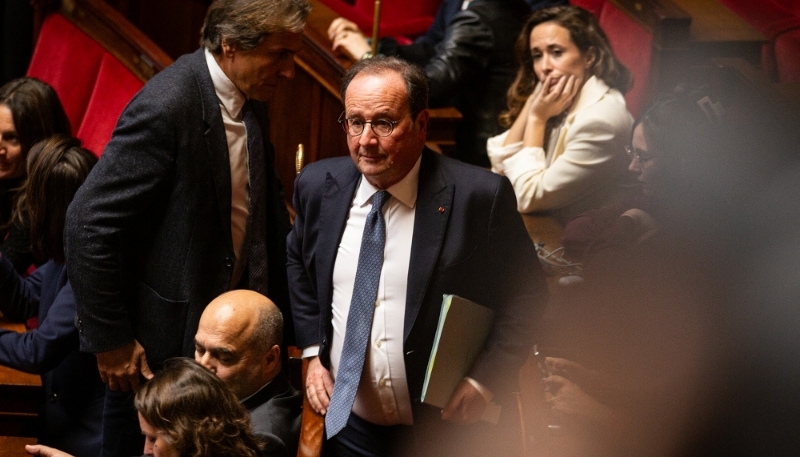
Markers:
(222, 351)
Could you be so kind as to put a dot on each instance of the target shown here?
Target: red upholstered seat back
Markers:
(787, 56)
(93, 85)
(113, 89)
(593, 6)
(779, 21)
(633, 46)
(67, 59)
(398, 17)
(631, 43)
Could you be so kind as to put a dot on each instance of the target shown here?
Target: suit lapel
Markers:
(434, 202)
(216, 142)
(334, 210)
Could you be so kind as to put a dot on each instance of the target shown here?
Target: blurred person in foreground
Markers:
(186, 411)
(648, 328)
(564, 152)
(184, 203)
(71, 407)
(239, 340)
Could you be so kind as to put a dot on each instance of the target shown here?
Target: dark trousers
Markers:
(360, 438)
(122, 436)
(429, 436)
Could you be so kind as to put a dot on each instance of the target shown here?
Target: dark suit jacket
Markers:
(148, 234)
(468, 240)
(275, 416)
(72, 403)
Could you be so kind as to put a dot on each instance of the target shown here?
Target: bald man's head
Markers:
(239, 339)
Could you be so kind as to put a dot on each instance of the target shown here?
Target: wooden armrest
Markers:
(312, 426)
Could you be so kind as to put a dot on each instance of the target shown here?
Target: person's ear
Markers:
(228, 49)
(272, 358)
(590, 57)
(422, 121)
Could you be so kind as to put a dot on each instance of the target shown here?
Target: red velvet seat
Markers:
(67, 59)
(779, 21)
(96, 61)
(632, 44)
(113, 89)
(408, 18)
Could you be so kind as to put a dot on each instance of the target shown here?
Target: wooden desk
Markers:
(718, 32)
(18, 394)
(14, 446)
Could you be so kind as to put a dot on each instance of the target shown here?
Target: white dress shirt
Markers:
(382, 396)
(231, 102)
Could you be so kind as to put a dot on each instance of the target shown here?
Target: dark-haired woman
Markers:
(187, 411)
(565, 150)
(71, 410)
(29, 112)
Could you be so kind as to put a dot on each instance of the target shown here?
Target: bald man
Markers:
(239, 339)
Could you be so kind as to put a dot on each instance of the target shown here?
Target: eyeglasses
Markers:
(643, 156)
(355, 127)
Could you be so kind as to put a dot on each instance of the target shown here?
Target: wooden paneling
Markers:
(173, 24)
(12, 446)
(19, 393)
(717, 32)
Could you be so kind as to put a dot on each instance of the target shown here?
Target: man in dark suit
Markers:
(184, 203)
(445, 228)
(239, 339)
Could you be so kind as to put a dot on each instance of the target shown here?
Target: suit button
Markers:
(52, 398)
(229, 262)
(382, 382)
(80, 326)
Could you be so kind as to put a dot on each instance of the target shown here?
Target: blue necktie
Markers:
(257, 217)
(359, 318)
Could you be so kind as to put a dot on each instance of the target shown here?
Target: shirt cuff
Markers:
(310, 351)
(485, 393)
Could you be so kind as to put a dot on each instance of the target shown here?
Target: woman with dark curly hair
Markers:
(565, 150)
(187, 411)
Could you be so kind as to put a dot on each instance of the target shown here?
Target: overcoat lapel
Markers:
(334, 209)
(434, 202)
(216, 142)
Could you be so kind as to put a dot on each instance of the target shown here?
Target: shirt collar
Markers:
(231, 98)
(254, 393)
(404, 191)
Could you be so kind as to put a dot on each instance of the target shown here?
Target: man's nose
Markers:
(288, 68)
(205, 360)
(367, 136)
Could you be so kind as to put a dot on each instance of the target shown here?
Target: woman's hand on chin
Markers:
(553, 96)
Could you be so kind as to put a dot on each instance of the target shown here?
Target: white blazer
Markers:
(584, 162)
